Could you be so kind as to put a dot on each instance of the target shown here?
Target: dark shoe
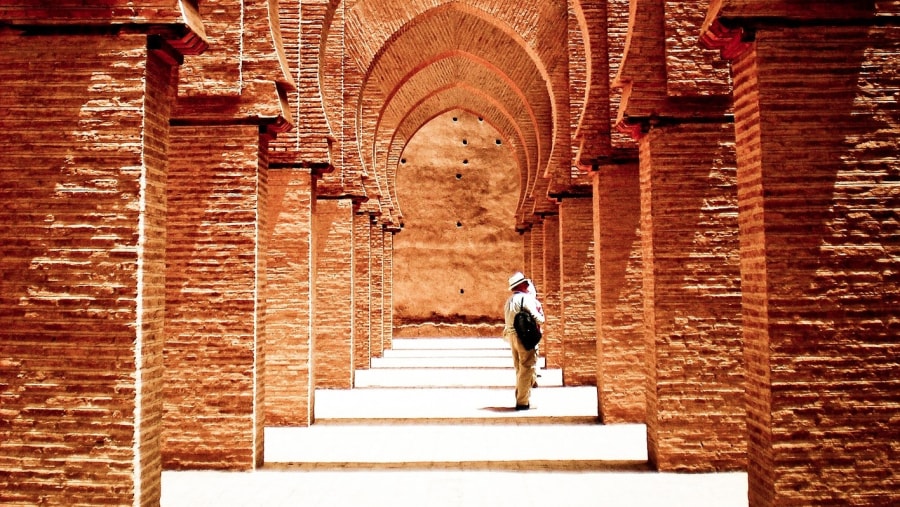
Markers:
(523, 407)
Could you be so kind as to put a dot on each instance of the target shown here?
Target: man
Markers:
(523, 360)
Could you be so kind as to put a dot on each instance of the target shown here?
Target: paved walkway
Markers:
(392, 442)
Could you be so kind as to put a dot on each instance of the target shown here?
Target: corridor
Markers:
(431, 423)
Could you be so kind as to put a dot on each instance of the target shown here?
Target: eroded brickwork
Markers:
(82, 288)
(288, 293)
(818, 264)
(362, 282)
(214, 262)
(577, 307)
(552, 343)
(621, 350)
(333, 321)
(692, 298)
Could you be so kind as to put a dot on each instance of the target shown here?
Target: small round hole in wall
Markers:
(459, 224)
(462, 291)
(402, 160)
(455, 118)
(465, 161)
(465, 142)
(499, 141)
(480, 118)
(458, 176)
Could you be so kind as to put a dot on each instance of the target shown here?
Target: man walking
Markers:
(523, 360)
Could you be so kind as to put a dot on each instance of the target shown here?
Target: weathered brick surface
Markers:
(818, 203)
(387, 293)
(302, 27)
(362, 283)
(376, 337)
(621, 348)
(577, 307)
(82, 174)
(552, 344)
(215, 271)
(333, 304)
(289, 298)
(692, 298)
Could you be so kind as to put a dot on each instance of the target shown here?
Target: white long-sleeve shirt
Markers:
(515, 301)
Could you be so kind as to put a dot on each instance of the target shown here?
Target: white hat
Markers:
(516, 279)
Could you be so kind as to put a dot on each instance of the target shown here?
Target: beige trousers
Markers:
(524, 361)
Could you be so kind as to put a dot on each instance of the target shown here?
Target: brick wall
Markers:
(289, 298)
(387, 293)
(692, 298)
(82, 174)
(333, 307)
(215, 272)
(578, 312)
(621, 350)
(814, 110)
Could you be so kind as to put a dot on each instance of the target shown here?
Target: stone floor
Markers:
(454, 442)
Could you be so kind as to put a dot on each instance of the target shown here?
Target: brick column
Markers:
(289, 366)
(387, 300)
(333, 315)
(817, 186)
(82, 267)
(362, 283)
(621, 349)
(695, 404)
(527, 251)
(376, 339)
(215, 287)
(536, 264)
(578, 312)
(551, 344)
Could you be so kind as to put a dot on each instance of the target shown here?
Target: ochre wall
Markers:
(455, 172)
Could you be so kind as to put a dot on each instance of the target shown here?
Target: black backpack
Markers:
(526, 327)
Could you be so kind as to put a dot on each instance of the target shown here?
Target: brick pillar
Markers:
(362, 285)
(333, 315)
(819, 262)
(215, 288)
(695, 404)
(536, 265)
(82, 268)
(376, 339)
(387, 305)
(289, 387)
(551, 345)
(526, 251)
(578, 312)
(621, 349)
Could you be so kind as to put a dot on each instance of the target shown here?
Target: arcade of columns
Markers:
(198, 213)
